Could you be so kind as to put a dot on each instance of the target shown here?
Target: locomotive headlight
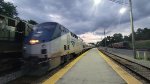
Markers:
(32, 41)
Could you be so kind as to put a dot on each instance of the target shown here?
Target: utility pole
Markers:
(132, 28)
(104, 37)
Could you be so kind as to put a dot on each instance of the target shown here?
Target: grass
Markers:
(142, 44)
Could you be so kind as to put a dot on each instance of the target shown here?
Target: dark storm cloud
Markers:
(141, 8)
(80, 16)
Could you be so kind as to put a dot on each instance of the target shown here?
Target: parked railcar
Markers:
(121, 45)
(12, 33)
(49, 45)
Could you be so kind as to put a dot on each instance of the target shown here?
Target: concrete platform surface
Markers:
(91, 69)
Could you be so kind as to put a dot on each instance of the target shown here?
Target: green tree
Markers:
(146, 33)
(8, 9)
(117, 37)
(142, 34)
(92, 44)
(32, 22)
(126, 38)
(98, 44)
(138, 34)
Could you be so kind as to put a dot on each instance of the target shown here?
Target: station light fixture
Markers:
(122, 10)
(96, 2)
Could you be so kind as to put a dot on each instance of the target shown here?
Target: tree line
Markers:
(9, 10)
(140, 34)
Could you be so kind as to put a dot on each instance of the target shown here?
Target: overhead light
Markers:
(96, 2)
(122, 10)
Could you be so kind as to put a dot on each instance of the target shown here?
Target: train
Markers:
(49, 45)
(120, 45)
(12, 33)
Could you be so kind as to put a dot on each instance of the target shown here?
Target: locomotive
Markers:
(49, 45)
(12, 33)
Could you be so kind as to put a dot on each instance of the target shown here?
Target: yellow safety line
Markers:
(124, 75)
(53, 79)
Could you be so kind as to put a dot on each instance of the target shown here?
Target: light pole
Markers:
(132, 28)
(104, 37)
(131, 22)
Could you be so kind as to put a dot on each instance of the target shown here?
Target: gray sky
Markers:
(86, 18)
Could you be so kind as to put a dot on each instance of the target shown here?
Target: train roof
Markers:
(15, 19)
(52, 25)
(49, 25)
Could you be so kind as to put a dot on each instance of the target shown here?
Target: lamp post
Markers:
(131, 22)
(132, 28)
(104, 37)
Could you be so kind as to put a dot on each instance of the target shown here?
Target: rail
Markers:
(138, 69)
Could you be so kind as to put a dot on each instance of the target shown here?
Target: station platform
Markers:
(92, 67)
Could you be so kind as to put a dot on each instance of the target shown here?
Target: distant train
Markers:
(121, 45)
(51, 44)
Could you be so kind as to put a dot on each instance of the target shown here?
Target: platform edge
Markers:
(121, 72)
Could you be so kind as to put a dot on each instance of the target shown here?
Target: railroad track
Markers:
(140, 70)
(10, 69)
(19, 76)
(9, 61)
(10, 66)
(27, 79)
(11, 76)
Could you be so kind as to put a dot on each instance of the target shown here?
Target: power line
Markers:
(122, 2)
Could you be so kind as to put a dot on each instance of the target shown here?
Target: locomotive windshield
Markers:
(46, 25)
(43, 32)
